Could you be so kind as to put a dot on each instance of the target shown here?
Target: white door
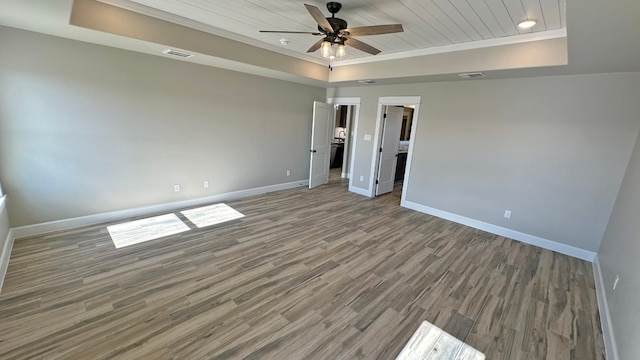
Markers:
(389, 149)
(321, 134)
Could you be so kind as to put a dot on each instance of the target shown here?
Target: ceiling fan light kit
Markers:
(325, 49)
(336, 31)
(341, 50)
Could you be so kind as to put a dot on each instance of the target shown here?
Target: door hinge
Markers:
(376, 182)
(385, 116)
(380, 149)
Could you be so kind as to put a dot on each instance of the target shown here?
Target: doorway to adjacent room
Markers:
(395, 129)
(341, 144)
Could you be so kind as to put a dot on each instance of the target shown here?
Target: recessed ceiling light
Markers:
(367, 81)
(284, 42)
(527, 24)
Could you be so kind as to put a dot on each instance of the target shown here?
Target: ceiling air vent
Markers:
(472, 75)
(178, 53)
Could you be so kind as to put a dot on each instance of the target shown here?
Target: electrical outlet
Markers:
(507, 214)
(615, 282)
(176, 188)
(288, 172)
(206, 184)
(361, 178)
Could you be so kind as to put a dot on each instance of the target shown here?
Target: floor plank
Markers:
(306, 274)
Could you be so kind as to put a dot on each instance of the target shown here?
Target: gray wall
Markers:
(86, 129)
(553, 150)
(618, 255)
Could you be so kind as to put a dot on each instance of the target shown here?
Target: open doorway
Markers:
(347, 108)
(341, 143)
(395, 129)
(394, 147)
(403, 144)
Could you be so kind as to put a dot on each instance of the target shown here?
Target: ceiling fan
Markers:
(336, 31)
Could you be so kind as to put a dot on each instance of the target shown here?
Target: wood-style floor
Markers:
(307, 274)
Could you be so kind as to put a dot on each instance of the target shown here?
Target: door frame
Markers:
(384, 101)
(355, 101)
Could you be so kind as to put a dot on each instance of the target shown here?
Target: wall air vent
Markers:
(472, 75)
(178, 53)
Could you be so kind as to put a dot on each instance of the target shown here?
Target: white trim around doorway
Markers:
(354, 139)
(382, 103)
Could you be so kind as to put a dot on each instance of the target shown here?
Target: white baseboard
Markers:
(64, 224)
(5, 255)
(359, 191)
(499, 230)
(610, 346)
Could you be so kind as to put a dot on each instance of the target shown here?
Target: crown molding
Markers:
(508, 40)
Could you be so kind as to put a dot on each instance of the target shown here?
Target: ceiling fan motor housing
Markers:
(336, 23)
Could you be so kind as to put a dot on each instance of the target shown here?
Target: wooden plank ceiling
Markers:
(427, 23)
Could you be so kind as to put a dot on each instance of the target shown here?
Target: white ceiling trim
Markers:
(508, 40)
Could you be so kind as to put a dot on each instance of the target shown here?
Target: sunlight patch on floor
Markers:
(138, 231)
(431, 342)
(212, 215)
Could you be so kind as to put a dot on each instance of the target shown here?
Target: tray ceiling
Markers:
(430, 25)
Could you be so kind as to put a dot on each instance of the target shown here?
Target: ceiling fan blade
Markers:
(290, 32)
(361, 46)
(319, 18)
(315, 46)
(375, 30)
